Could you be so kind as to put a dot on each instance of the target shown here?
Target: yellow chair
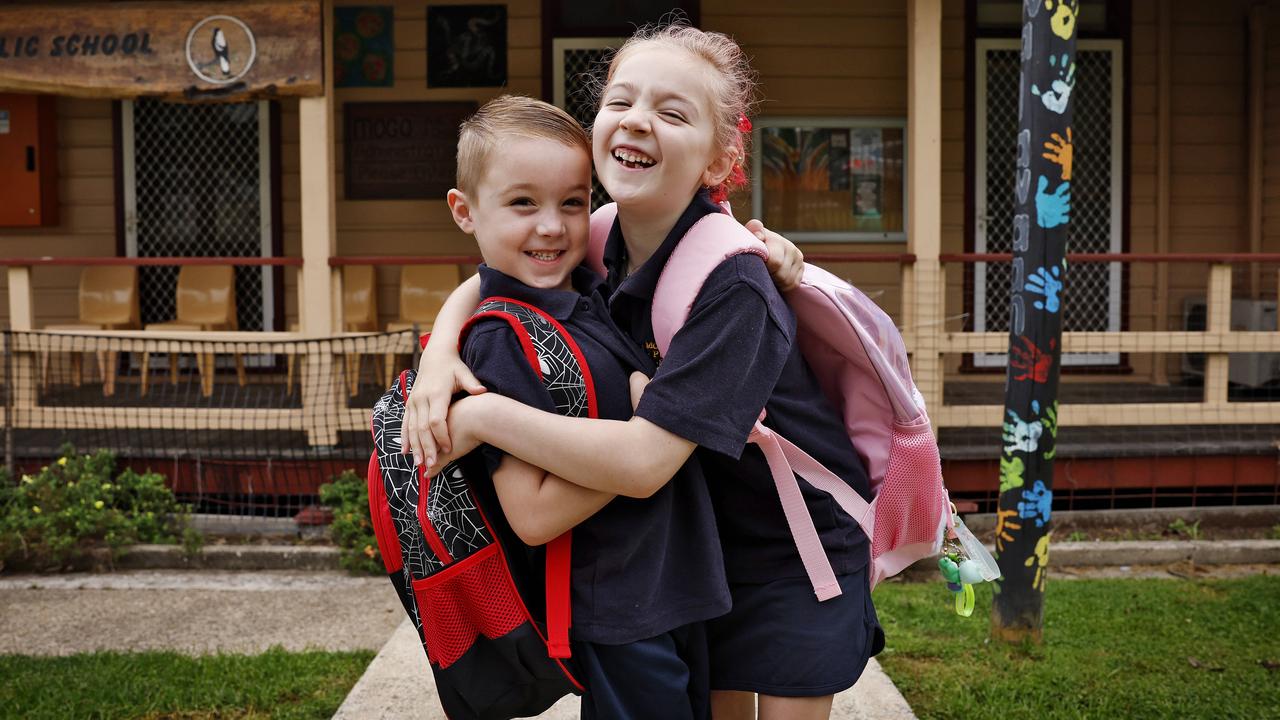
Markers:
(206, 300)
(359, 314)
(423, 290)
(108, 300)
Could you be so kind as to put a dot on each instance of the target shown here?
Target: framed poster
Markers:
(466, 45)
(364, 46)
(831, 179)
(401, 150)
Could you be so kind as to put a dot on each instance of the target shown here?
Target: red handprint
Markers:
(1032, 361)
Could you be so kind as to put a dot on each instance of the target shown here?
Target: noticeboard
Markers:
(401, 150)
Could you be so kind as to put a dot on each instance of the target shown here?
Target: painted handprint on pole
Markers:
(1036, 504)
(1047, 285)
(1063, 22)
(1059, 153)
(1005, 527)
(1050, 423)
(1032, 363)
(1059, 93)
(1020, 436)
(1040, 561)
(1011, 473)
(1053, 208)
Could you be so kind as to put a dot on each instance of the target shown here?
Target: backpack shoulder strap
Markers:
(601, 224)
(711, 240)
(558, 361)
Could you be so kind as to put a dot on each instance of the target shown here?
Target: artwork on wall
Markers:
(363, 46)
(830, 178)
(466, 45)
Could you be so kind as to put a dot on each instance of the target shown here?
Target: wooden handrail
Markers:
(1211, 258)
(405, 260)
(148, 261)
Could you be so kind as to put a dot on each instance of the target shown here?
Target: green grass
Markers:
(275, 684)
(1112, 649)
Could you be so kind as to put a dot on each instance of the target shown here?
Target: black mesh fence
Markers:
(239, 428)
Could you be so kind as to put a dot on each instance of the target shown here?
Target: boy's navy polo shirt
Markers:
(641, 567)
(735, 355)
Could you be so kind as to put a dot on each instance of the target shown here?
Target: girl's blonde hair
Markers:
(733, 87)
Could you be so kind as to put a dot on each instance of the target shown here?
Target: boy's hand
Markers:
(426, 412)
(786, 262)
(639, 381)
(463, 417)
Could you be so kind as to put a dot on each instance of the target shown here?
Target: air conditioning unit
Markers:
(1249, 369)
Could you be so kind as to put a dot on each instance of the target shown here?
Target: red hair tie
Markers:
(744, 125)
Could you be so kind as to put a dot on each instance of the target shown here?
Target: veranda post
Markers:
(1030, 427)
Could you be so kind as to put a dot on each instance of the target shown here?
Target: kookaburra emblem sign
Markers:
(221, 49)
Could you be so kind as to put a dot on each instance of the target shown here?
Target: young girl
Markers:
(668, 141)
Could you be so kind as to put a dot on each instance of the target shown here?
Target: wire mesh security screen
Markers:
(581, 65)
(198, 186)
(1092, 299)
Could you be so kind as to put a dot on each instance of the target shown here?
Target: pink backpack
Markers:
(860, 360)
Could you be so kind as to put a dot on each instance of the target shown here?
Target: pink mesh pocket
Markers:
(471, 598)
(911, 499)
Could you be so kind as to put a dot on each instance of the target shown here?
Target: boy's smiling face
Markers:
(531, 211)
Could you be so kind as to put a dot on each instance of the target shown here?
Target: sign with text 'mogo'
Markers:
(191, 50)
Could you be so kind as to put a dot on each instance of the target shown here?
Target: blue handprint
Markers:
(1052, 209)
(1036, 504)
(1048, 284)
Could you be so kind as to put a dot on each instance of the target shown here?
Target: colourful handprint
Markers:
(1063, 22)
(1032, 361)
(1040, 560)
(1060, 152)
(1036, 504)
(1050, 422)
(1021, 436)
(1047, 284)
(1011, 473)
(1005, 524)
(1052, 208)
(1056, 98)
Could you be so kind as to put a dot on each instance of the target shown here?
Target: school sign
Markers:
(175, 50)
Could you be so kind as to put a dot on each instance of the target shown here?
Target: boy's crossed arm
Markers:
(540, 506)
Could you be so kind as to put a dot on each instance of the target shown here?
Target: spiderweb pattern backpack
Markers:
(860, 359)
(496, 647)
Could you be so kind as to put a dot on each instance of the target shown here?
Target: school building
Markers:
(287, 161)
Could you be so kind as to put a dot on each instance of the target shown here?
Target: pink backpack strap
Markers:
(601, 223)
(711, 240)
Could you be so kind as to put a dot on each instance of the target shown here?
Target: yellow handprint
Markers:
(1041, 561)
(1060, 152)
(1004, 524)
(1063, 22)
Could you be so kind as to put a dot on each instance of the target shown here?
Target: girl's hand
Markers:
(425, 431)
(785, 263)
(464, 417)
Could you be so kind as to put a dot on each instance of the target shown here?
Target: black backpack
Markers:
(494, 622)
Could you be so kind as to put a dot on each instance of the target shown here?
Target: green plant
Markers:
(1181, 528)
(1077, 536)
(1275, 532)
(348, 496)
(76, 504)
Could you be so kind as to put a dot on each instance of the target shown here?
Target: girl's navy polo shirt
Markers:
(641, 567)
(735, 355)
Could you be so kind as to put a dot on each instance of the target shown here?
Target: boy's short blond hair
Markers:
(510, 116)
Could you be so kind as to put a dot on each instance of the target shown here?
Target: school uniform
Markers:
(646, 573)
(735, 355)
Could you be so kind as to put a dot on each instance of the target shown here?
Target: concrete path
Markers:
(398, 686)
(194, 612)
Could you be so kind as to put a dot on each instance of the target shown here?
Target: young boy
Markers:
(646, 572)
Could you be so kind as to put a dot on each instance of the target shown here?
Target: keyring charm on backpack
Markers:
(964, 562)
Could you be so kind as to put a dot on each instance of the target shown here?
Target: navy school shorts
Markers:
(779, 640)
(661, 677)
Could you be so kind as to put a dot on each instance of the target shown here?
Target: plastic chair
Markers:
(423, 290)
(108, 300)
(206, 300)
(359, 314)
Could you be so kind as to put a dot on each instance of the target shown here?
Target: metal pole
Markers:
(1030, 429)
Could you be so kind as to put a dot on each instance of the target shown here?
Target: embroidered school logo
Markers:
(221, 49)
(652, 348)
